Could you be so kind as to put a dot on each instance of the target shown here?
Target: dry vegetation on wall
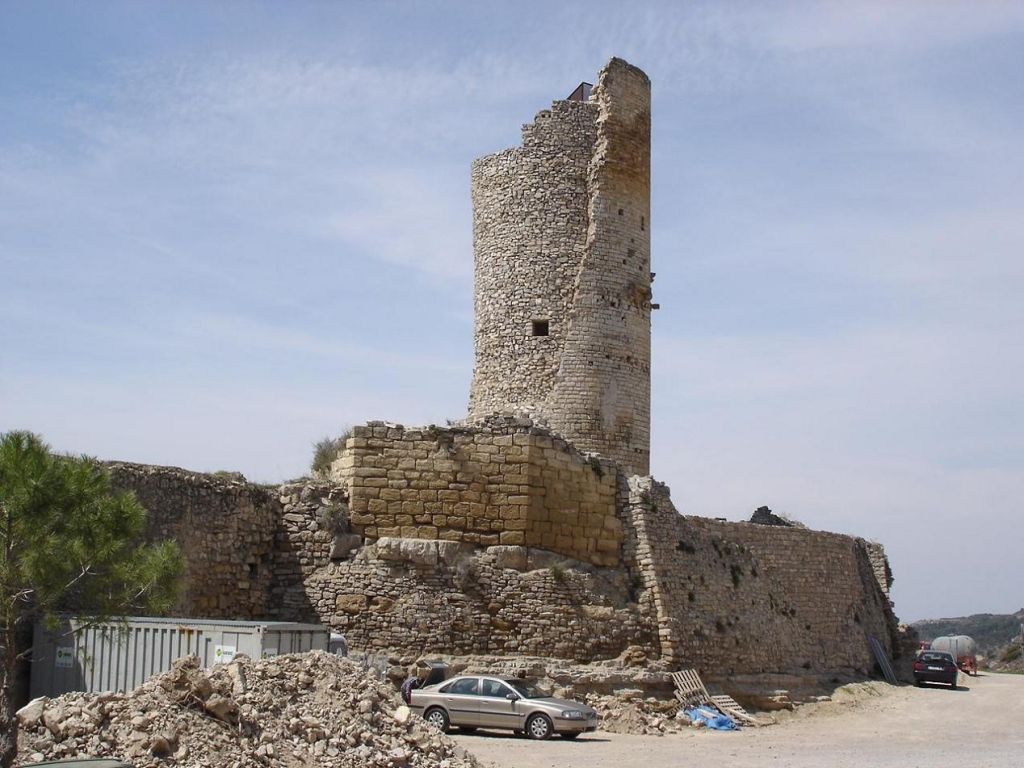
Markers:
(326, 450)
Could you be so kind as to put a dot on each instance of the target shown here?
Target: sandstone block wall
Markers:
(561, 233)
(312, 531)
(831, 578)
(503, 482)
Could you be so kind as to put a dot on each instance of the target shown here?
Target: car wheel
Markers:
(570, 734)
(539, 727)
(438, 718)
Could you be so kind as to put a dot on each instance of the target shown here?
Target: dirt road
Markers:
(980, 725)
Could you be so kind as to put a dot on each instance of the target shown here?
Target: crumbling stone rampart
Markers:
(733, 599)
(741, 598)
(225, 528)
(880, 565)
(433, 596)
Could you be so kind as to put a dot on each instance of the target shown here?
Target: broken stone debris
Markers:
(312, 709)
(643, 716)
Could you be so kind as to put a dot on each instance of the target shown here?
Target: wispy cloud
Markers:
(907, 27)
(223, 240)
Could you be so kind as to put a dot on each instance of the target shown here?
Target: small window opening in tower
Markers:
(541, 327)
(643, 223)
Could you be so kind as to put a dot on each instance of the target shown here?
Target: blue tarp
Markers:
(711, 718)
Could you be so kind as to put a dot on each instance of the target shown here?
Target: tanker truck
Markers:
(963, 648)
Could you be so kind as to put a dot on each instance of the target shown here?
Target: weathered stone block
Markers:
(343, 544)
(509, 557)
(351, 603)
(513, 537)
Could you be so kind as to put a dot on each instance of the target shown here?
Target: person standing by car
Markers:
(411, 683)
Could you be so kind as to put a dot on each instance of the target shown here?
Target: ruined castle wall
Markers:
(312, 530)
(561, 236)
(880, 566)
(737, 598)
(288, 554)
(505, 482)
(602, 393)
(225, 530)
(730, 599)
(832, 578)
(445, 597)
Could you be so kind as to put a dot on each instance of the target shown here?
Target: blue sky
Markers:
(227, 230)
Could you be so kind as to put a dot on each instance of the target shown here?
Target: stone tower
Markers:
(561, 242)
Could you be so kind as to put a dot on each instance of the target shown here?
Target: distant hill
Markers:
(991, 631)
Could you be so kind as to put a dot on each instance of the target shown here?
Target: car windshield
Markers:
(527, 691)
(933, 657)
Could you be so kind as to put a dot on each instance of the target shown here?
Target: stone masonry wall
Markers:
(529, 233)
(502, 482)
(602, 394)
(880, 566)
(435, 596)
(561, 237)
(444, 597)
(730, 599)
(741, 599)
(831, 578)
(225, 529)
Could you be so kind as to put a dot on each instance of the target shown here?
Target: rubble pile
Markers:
(622, 713)
(312, 709)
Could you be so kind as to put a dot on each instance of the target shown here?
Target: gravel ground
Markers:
(980, 725)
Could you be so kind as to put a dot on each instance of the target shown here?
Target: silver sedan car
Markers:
(484, 701)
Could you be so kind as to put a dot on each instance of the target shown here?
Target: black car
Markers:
(935, 667)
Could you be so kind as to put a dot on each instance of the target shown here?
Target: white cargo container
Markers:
(112, 657)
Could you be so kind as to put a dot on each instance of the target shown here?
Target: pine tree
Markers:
(68, 543)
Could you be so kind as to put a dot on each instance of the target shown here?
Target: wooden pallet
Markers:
(690, 692)
(729, 706)
(690, 689)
